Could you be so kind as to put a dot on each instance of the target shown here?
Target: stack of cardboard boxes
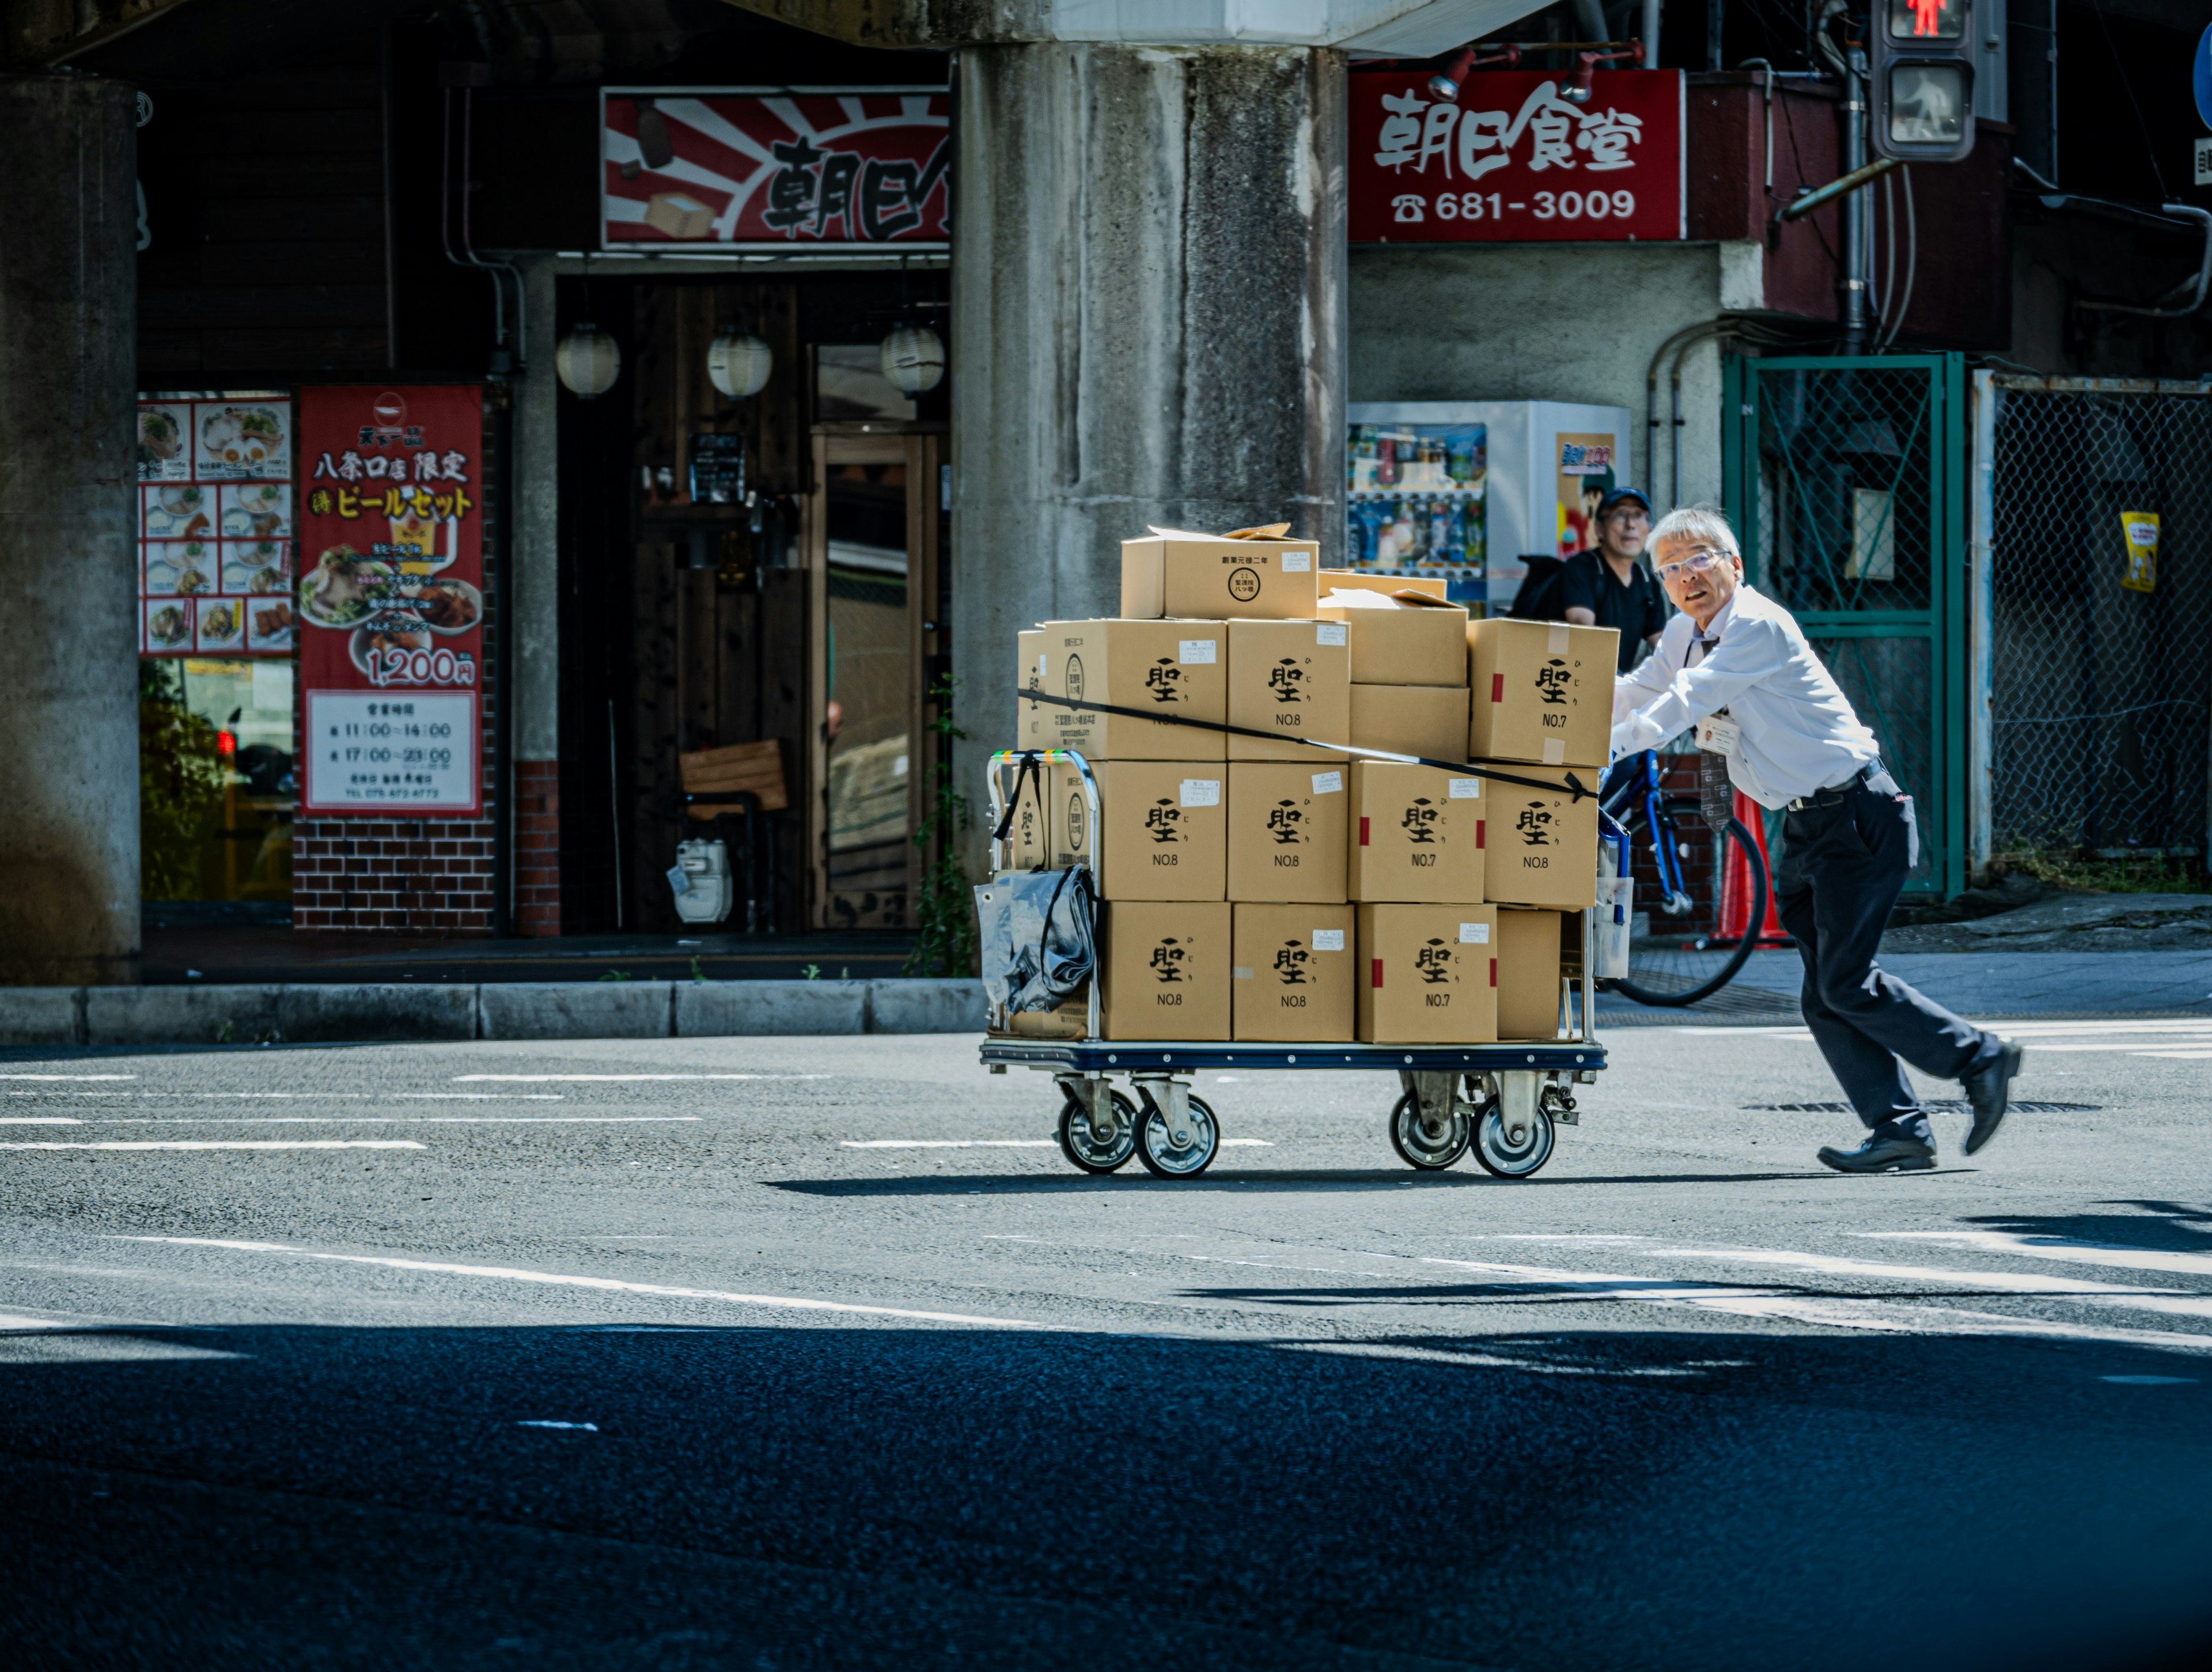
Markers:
(1262, 889)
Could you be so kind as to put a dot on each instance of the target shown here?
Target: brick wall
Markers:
(418, 876)
(537, 848)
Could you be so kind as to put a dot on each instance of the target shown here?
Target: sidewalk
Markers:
(1974, 983)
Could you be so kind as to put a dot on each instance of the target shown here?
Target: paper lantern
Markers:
(738, 363)
(913, 359)
(589, 361)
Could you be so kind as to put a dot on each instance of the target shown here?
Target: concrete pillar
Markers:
(536, 690)
(1147, 323)
(68, 635)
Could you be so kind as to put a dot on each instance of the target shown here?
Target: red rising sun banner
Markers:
(774, 169)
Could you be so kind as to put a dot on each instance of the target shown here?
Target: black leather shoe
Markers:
(1989, 1091)
(1882, 1152)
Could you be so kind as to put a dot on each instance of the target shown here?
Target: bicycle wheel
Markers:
(1680, 969)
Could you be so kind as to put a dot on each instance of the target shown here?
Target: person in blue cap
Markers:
(1608, 586)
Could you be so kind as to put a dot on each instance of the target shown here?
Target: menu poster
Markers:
(391, 599)
(1585, 478)
(215, 536)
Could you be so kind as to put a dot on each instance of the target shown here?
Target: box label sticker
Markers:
(1328, 783)
(1555, 752)
(1194, 652)
(1555, 641)
(1466, 789)
(1202, 791)
(1298, 562)
(1329, 941)
(1242, 972)
(1043, 657)
(1475, 934)
(1329, 632)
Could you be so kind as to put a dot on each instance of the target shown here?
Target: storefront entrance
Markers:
(737, 572)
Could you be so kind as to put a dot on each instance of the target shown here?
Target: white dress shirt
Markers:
(1799, 732)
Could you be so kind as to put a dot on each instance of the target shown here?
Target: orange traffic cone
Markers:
(1736, 890)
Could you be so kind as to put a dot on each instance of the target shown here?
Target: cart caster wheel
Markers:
(1084, 1147)
(1428, 1145)
(1162, 1156)
(1512, 1152)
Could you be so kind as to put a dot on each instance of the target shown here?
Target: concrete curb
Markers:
(333, 1014)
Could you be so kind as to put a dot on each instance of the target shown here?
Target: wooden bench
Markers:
(739, 781)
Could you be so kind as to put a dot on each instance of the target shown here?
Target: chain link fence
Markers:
(2100, 662)
(1850, 535)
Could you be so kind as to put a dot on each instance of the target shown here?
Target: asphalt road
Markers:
(813, 1353)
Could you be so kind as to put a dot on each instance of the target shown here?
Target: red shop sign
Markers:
(1515, 161)
(769, 170)
(392, 600)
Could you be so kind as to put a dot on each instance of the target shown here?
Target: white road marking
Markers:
(2029, 1032)
(947, 1144)
(1833, 1312)
(2061, 1248)
(68, 1076)
(38, 1120)
(321, 1096)
(235, 1143)
(2151, 1381)
(373, 1120)
(539, 1078)
(1001, 1143)
(563, 1279)
(542, 1422)
(2179, 1303)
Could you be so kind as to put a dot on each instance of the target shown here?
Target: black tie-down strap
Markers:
(1579, 790)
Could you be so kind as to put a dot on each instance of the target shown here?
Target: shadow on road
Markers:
(920, 1498)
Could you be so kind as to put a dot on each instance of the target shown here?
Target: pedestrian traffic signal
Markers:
(1922, 64)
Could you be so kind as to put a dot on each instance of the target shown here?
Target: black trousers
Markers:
(1843, 869)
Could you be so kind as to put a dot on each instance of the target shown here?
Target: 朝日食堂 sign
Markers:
(1516, 160)
(768, 168)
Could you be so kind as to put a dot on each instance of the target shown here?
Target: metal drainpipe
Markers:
(1857, 245)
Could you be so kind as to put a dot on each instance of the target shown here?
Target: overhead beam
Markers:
(38, 35)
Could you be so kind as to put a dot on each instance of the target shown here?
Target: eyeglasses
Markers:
(1696, 563)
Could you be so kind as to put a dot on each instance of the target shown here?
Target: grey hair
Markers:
(1708, 525)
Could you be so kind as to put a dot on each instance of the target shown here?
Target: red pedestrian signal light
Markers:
(1921, 71)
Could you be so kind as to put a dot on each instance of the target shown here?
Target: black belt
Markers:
(1833, 795)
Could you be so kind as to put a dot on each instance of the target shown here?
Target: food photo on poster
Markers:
(390, 600)
(1516, 159)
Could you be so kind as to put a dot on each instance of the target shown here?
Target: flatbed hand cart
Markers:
(1503, 1101)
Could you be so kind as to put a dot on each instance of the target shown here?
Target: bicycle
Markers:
(1664, 969)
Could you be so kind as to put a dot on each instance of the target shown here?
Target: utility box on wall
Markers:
(1470, 491)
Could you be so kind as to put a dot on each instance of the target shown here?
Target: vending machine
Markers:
(1470, 491)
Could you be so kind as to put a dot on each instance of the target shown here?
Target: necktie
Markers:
(1716, 795)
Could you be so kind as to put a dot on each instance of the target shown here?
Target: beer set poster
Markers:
(215, 526)
(391, 599)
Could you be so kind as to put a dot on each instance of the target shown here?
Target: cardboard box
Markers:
(1529, 968)
(1427, 974)
(1406, 643)
(1031, 728)
(1428, 721)
(1292, 678)
(1209, 578)
(1543, 691)
(1291, 978)
(1416, 834)
(1287, 822)
(1344, 581)
(1163, 831)
(680, 215)
(1165, 969)
(1051, 825)
(1070, 1019)
(1169, 667)
(1543, 842)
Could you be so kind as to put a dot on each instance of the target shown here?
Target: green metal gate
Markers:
(1844, 478)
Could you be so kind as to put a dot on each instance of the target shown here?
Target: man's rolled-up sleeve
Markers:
(1646, 714)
